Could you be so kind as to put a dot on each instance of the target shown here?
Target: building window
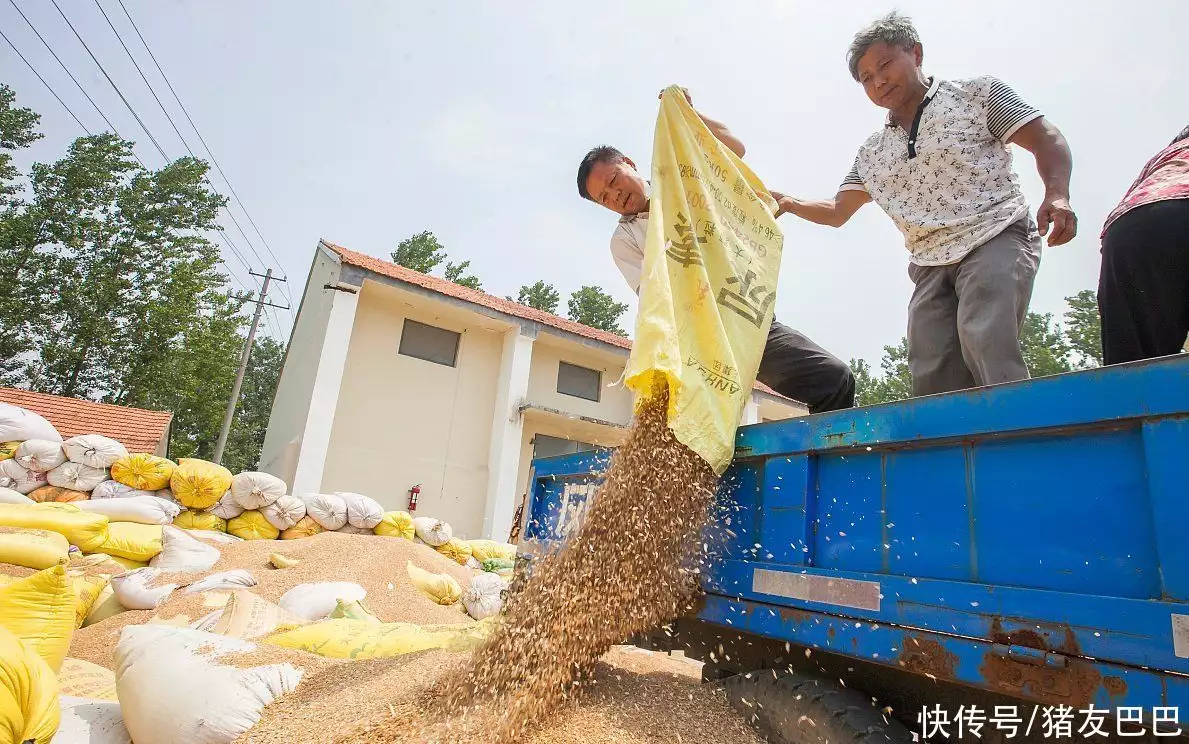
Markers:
(547, 446)
(432, 344)
(579, 382)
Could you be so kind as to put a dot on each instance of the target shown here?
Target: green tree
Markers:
(593, 307)
(1083, 327)
(18, 129)
(20, 275)
(539, 295)
(1046, 350)
(895, 382)
(455, 273)
(422, 252)
(255, 405)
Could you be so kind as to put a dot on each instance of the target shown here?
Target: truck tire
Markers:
(796, 708)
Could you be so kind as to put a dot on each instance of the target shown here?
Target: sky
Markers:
(367, 122)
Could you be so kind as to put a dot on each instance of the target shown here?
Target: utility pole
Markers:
(229, 416)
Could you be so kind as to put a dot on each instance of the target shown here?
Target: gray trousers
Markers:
(964, 319)
(794, 366)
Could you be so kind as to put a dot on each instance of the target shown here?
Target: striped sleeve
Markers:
(853, 181)
(1006, 111)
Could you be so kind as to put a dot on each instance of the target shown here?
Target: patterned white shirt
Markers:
(948, 182)
(627, 247)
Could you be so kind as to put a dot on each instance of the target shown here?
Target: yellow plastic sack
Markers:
(86, 530)
(251, 525)
(87, 590)
(711, 263)
(485, 549)
(83, 679)
(8, 449)
(248, 616)
(456, 550)
(53, 494)
(37, 549)
(128, 563)
(305, 527)
(28, 694)
(199, 484)
(39, 609)
(198, 520)
(143, 471)
(441, 588)
(106, 605)
(354, 610)
(136, 542)
(343, 638)
(396, 524)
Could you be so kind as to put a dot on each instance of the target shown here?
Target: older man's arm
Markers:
(1054, 162)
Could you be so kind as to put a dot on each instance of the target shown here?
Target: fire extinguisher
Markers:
(413, 493)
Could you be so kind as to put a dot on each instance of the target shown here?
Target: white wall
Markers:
(401, 421)
(291, 403)
(615, 403)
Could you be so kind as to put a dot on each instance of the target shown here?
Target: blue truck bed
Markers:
(1030, 539)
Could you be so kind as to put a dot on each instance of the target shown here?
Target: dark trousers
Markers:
(1143, 288)
(797, 368)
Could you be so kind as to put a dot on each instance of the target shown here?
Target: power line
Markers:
(145, 79)
(65, 69)
(113, 82)
(43, 82)
(182, 106)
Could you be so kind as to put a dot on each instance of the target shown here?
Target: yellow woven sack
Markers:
(37, 549)
(39, 609)
(343, 638)
(86, 530)
(354, 610)
(106, 605)
(456, 550)
(28, 694)
(198, 520)
(251, 525)
(83, 679)
(143, 471)
(136, 542)
(199, 484)
(8, 449)
(711, 263)
(305, 527)
(441, 588)
(485, 549)
(396, 524)
(87, 591)
(128, 563)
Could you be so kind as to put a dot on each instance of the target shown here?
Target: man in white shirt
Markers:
(792, 364)
(941, 169)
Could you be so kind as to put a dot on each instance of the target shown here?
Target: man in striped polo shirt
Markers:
(941, 169)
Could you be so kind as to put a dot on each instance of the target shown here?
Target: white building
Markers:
(394, 378)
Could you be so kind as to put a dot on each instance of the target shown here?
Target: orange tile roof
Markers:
(478, 297)
(137, 429)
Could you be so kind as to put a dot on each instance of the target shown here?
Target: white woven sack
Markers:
(18, 424)
(40, 455)
(76, 476)
(362, 511)
(317, 600)
(135, 590)
(173, 687)
(328, 510)
(226, 507)
(253, 490)
(20, 479)
(140, 509)
(95, 450)
(113, 489)
(433, 532)
(284, 512)
(182, 552)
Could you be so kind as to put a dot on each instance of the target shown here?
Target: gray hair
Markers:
(894, 29)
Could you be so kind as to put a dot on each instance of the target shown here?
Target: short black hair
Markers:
(600, 154)
(1183, 135)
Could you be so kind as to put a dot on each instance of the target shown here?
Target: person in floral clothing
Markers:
(941, 169)
(1143, 289)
